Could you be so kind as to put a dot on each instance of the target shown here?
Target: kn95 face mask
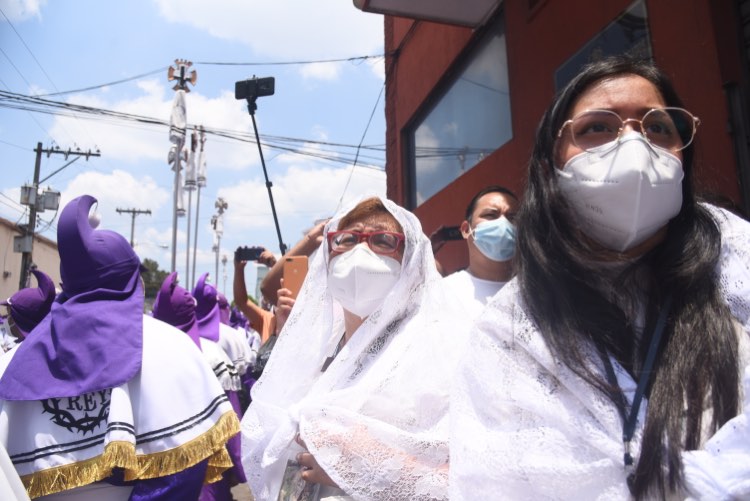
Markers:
(623, 193)
(360, 279)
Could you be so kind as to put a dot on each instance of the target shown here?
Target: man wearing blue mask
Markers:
(491, 239)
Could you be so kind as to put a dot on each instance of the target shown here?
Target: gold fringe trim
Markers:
(69, 476)
(217, 465)
(210, 444)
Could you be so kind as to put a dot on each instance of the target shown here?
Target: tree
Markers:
(153, 277)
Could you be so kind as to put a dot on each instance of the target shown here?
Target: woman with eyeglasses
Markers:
(354, 400)
(611, 367)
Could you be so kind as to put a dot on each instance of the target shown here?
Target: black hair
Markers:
(577, 303)
(493, 188)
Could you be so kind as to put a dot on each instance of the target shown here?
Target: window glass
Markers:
(467, 123)
(628, 34)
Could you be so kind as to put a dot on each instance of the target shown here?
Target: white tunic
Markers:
(168, 417)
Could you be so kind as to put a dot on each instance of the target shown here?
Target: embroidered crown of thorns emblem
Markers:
(80, 414)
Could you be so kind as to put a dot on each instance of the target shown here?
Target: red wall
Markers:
(691, 40)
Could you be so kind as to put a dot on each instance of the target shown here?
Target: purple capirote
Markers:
(29, 306)
(207, 310)
(224, 310)
(237, 318)
(92, 338)
(176, 306)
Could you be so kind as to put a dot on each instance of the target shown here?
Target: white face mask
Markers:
(623, 193)
(361, 279)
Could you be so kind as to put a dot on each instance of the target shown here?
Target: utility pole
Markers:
(200, 181)
(39, 202)
(217, 221)
(133, 213)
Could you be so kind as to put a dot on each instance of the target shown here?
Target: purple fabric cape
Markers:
(29, 306)
(207, 310)
(93, 337)
(176, 306)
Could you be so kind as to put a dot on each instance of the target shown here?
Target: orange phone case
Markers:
(295, 270)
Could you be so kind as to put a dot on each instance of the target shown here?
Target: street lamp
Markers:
(177, 124)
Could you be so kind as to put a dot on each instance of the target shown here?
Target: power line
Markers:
(30, 114)
(362, 140)
(328, 151)
(108, 84)
(28, 49)
(211, 63)
(15, 145)
(31, 53)
(286, 63)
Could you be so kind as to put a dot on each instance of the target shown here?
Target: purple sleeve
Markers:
(233, 444)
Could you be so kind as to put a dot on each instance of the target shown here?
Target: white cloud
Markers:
(307, 193)
(19, 10)
(119, 189)
(321, 71)
(325, 29)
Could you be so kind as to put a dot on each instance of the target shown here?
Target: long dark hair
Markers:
(581, 308)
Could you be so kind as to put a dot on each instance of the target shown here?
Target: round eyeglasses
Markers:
(670, 128)
(381, 242)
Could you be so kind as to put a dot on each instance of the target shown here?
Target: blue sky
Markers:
(58, 46)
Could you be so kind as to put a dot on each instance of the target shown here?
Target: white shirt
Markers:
(469, 292)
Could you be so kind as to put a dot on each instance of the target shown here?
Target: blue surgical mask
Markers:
(496, 239)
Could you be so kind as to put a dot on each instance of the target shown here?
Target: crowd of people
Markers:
(596, 346)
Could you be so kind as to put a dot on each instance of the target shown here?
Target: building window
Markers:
(468, 121)
(628, 34)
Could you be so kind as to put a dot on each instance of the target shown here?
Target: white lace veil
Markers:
(524, 426)
(376, 419)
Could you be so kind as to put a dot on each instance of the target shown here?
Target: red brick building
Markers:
(463, 102)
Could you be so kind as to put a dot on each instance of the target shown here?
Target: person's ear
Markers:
(465, 229)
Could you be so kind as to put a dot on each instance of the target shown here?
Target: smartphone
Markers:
(451, 233)
(294, 272)
(247, 253)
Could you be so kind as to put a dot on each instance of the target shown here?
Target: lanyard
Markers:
(328, 360)
(630, 419)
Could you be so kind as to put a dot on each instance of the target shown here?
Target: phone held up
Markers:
(451, 233)
(247, 253)
(294, 272)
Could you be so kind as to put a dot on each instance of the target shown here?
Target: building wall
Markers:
(695, 41)
(45, 256)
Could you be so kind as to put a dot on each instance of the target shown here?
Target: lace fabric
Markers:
(377, 419)
(526, 427)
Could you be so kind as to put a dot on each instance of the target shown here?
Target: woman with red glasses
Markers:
(353, 401)
(612, 367)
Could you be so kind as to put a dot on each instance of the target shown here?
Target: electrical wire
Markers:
(362, 139)
(328, 151)
(108, 84)
(31, 53)
(287, 63)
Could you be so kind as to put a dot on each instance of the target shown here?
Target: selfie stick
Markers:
(251, 107)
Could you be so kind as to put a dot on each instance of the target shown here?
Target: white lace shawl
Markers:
(376, 419)
(525, 427)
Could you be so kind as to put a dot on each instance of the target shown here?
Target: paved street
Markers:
(242, 492)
